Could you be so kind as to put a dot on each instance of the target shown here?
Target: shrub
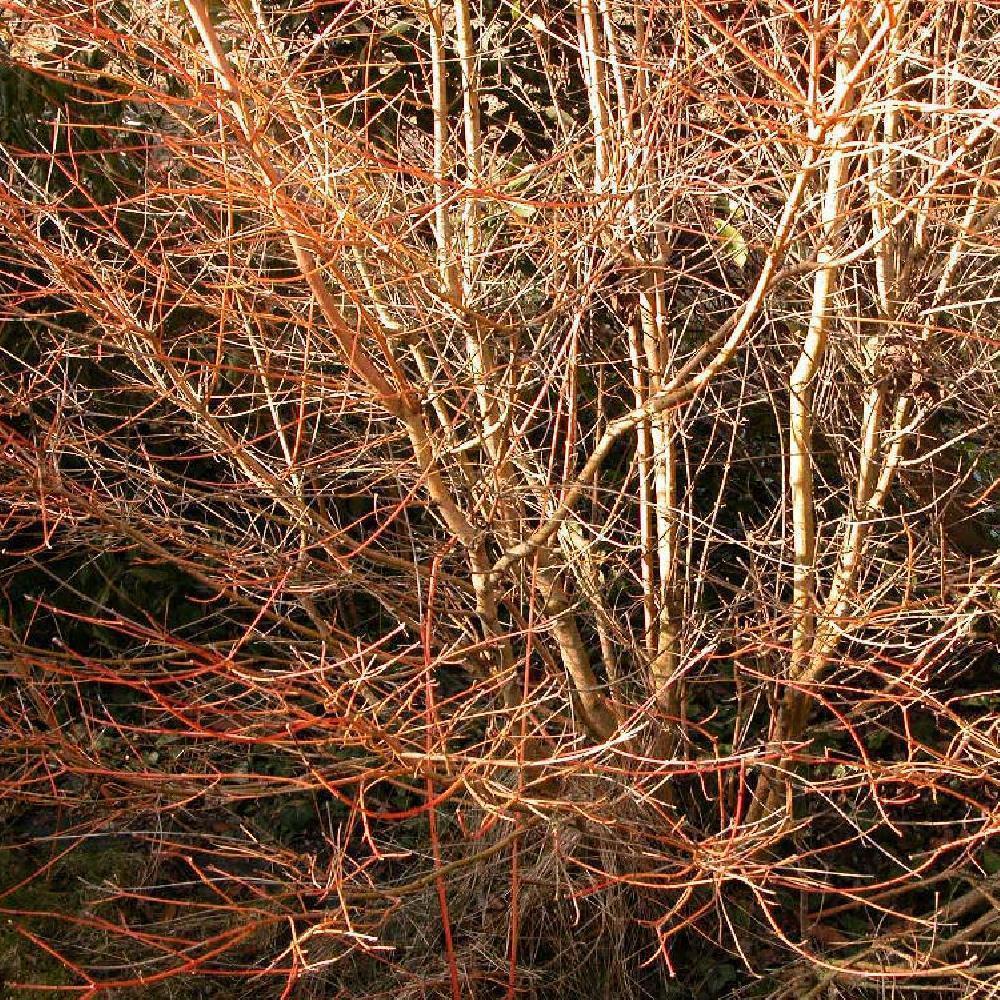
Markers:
(500, 497)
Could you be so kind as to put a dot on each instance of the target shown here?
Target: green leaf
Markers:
(721, 976)
(876, 740)
(398, 29)
(736, 246)
(854, 923)
(991, 862)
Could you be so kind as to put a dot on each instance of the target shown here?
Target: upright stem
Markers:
(450, 272)
(400, 404)
(643, 451)
(800, 470)
(592, 54)
(808, 364)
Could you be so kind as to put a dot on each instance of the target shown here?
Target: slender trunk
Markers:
(800, 443)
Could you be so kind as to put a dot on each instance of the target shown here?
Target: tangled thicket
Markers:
(499, 497)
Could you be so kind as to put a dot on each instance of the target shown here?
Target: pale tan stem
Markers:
(987, 177)
(587, 571)
(686, 383)
(664, 667)
(643, 449)
(800, 461)
(591, 703)
(573, 651)
(351, 341)
(661, 573)
(472, 129)
(480, 354)
(875, 476)
(399, 404)
(874, 479)
(592, 56)
(450, 272)
(616, 60)
(800, 473)
(419, 353)
(887, 261)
